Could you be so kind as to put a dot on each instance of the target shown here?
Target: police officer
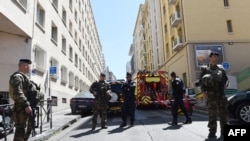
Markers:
(101, 90)
(213, 81)
(128, 107)
(177, 87)
(19, 85)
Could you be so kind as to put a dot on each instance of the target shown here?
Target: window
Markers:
(76, 60)
(165, 28)
(64, 74)
(80, 64)
(76, 37)
(40, 16)
(64, 45)
(76, 16)
(55, 4)
(80, 44)
(64, 15)
(226, 3)
(70, 28)
(54, 33)
(71, 79)
(70, 53)
(70, 5)
(81, 85)
(164, 10)
(83, 69)
(229, 26)
(80, 24)
(76, 83)
(40, 59)
(23, 4)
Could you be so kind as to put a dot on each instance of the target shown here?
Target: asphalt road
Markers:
(150, 125)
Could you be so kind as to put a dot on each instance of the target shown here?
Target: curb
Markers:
(51, 132)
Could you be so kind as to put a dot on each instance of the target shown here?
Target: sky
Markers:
(115, 21)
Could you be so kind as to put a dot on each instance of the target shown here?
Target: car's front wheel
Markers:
(243, 112)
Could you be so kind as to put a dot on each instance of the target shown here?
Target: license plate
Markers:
(115, 108)
(81, 106)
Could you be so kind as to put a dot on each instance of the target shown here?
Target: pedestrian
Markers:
(101, 91)
(19, 86)
(128, 107)
(178, 92)
(213, 80)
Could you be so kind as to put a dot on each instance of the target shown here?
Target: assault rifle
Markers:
(34, 96)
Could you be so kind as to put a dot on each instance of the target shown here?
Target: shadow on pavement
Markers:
(86, 133)
(173, 127)
(118, 130)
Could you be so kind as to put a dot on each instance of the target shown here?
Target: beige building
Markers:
(53, 34)
(190, 31)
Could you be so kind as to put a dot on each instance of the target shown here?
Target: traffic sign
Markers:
(52, 70)
(226, 65)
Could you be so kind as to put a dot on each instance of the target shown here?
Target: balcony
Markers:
(172, 2)
(176, 19)
(177, 43)
(142, 39)
(142, 29)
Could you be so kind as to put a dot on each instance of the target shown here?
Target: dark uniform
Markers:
(19, 86)
(213, 79)
(177, 87)
(100, 89)
(128, 107)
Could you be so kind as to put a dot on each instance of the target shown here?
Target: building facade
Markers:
(61, 39)
(190, 31)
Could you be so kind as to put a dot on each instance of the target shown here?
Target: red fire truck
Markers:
(152, 89)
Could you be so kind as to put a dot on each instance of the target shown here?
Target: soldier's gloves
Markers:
(28, 110)
(108, 92)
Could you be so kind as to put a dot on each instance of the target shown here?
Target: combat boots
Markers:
(174, 122)
(104, 127)
(93, 128)
(211, 137)
(188, 121)
(123, 124)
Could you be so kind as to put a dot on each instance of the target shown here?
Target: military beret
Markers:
(103, 74)
(28, 61)
(129, 74)
(214, 53)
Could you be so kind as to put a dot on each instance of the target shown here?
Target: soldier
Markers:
(128, 107)
(101, 90)
(213, 80)
(19, 85)
(177, 87)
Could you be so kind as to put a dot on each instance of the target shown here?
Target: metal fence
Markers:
(43, 113)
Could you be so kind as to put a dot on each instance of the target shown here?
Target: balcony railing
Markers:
(172, 2)
(177, 43)
(176, 19)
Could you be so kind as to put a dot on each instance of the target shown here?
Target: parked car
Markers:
(82, 101)
(239, 106)
(116, 101)
(190, 93)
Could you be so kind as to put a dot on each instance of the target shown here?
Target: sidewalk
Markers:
(60, 121)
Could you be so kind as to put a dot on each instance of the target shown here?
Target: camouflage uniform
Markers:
(213, 78)
(19, 85)
(101, 102)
